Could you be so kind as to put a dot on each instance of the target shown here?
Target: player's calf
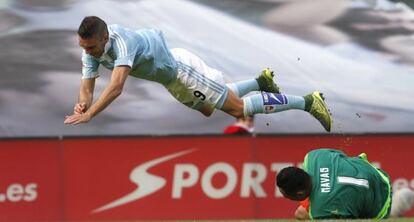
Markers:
(273, 102)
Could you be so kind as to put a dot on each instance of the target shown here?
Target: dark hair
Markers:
(92, 26)
(292, 180)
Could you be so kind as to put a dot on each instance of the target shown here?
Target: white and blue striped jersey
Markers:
(145, 51)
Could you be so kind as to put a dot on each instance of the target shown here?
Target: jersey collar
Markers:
(109, 42)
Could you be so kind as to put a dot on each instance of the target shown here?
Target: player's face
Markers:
(94, 46)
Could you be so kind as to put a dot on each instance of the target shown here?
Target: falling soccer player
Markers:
(144, 54)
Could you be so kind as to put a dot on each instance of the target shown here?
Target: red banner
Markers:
(202, 177)
(170, 178)
(30, 180)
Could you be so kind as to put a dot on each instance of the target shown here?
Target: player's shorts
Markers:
(197, 85)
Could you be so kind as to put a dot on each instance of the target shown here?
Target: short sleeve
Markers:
(89, 67)
(125, 50)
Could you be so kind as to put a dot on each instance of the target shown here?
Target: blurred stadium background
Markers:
(360, 53)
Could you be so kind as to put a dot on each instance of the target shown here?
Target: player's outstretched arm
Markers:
(111, 92)
(85, 96)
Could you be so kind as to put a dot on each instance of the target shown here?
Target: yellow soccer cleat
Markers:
(266, 83)
(315, 105)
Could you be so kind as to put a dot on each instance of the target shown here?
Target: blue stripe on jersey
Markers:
(192, 69)
(192, 72)
(203, 80)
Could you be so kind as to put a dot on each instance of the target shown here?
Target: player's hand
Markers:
(79, 108)
(77, 118)
(301, 213)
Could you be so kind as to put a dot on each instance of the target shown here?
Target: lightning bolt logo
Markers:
(146, 182)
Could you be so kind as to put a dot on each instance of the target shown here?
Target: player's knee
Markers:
(236, 112)
(239, 109)
(206, 111)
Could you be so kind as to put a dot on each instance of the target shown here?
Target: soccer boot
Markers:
(315, 105)
(266, 83)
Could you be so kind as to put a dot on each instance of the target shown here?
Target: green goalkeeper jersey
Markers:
(346, 187)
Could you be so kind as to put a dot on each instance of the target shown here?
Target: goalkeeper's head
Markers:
(294, 183)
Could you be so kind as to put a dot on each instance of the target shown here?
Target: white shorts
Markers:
(197, 85)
